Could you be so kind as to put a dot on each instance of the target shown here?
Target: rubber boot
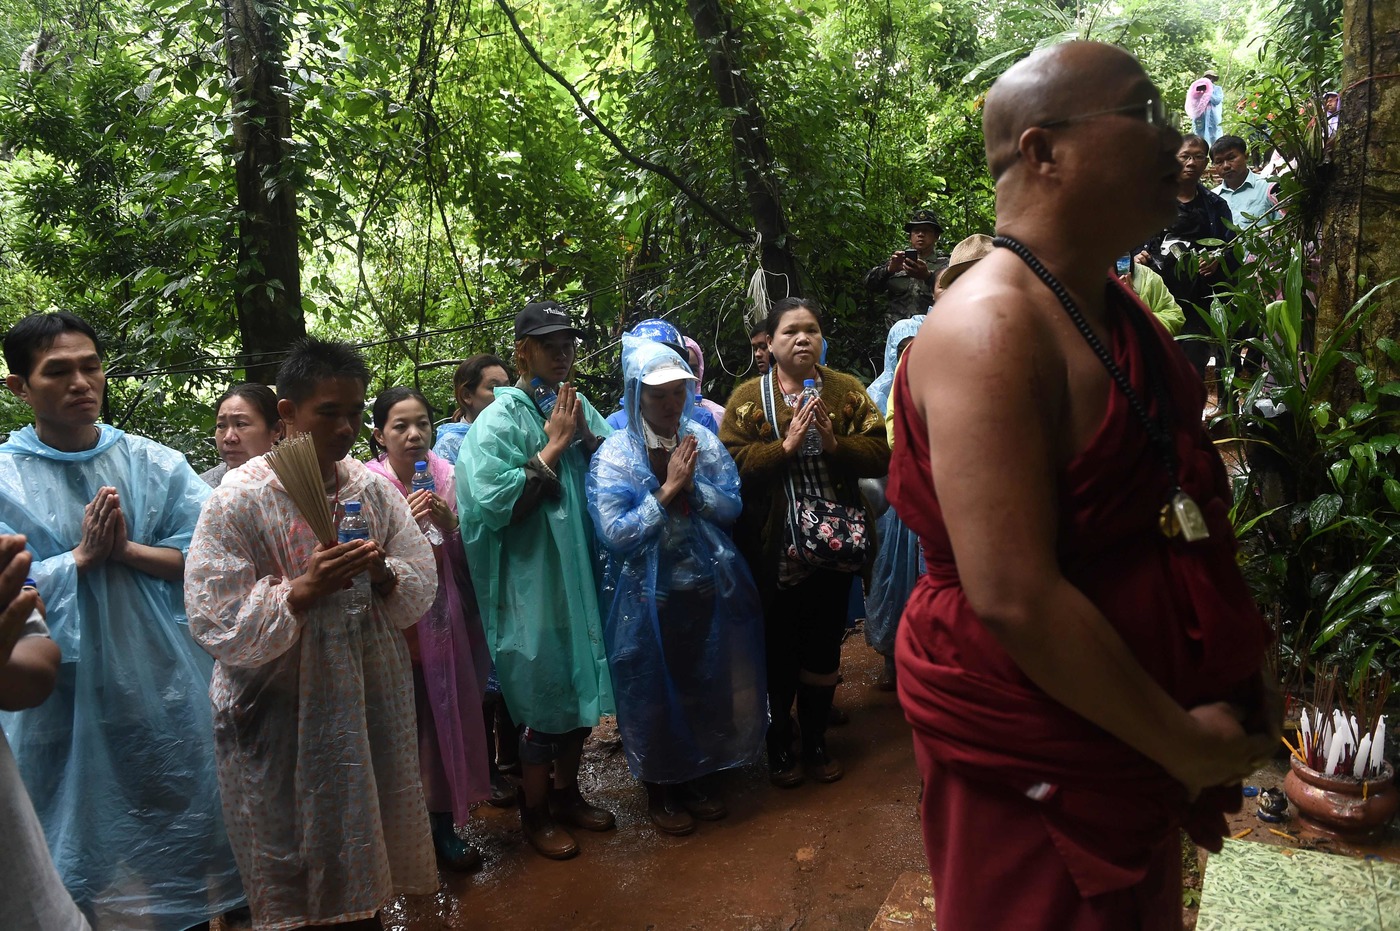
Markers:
(549, 839)
(507, 746)
(700, 803)
(783, 770)
(454, 852)
(666, 811)
(502, 791)
(568, 806)
(813, 712)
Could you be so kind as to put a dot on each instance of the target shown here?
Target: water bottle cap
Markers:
(809, 383)
(30, 583)
(352, 507)
(421, 465)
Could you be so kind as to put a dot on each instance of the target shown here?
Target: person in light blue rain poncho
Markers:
(119, 761)
(898, 562)
(681, 615)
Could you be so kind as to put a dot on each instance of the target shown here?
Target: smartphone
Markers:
(1124, 265)
(911, 256)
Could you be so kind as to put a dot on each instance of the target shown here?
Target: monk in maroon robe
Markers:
(1081, 685)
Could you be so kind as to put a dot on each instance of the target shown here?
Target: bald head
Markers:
(1052, 84)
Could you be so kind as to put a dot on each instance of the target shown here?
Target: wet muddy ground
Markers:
(820, 857)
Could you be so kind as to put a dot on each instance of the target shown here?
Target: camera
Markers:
(911, 256)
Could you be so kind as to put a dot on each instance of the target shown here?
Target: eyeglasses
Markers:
(1152, 111)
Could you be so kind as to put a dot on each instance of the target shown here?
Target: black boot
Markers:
(783, 770)
(666, 810)
(502, 789)
(700, 803)
(508, 743)
(813, 712)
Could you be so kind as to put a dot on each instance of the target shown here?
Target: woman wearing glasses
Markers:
(1192, 270)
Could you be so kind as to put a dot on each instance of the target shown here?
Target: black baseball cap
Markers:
(540, 318)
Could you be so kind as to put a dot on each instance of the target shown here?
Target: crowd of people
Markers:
(212, 708)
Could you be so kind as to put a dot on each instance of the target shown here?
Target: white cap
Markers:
(668, 371)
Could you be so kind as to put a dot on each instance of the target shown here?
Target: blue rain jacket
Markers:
(618, 419)
(899, 562)
(120, 760)
(449, 440)
(681, 615)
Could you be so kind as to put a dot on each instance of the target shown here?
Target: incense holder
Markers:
(1343, 806)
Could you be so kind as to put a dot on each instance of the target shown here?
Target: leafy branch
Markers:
(621, 147)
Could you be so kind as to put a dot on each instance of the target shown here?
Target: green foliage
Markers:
(1318, 507)
(443, 179)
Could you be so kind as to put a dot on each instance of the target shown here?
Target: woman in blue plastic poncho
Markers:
(525, 527)
(681, 616)
(897, 562)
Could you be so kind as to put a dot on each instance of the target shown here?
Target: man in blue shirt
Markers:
(1251, 204)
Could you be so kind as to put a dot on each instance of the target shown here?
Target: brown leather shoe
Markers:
(569, 807)
(548, 838)
(699, 803)
(666, 811)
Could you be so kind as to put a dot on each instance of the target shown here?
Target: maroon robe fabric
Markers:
(1029, 769)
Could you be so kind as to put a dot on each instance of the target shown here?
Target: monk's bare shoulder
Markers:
(990, 332)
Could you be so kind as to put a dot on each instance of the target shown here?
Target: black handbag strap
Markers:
(770, 410)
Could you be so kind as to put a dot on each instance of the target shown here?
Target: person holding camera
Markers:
(906, 280)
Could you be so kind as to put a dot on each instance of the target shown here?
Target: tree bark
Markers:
(268, 294)
(723, 48)
(1361, 210)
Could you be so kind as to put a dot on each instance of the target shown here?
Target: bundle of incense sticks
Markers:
(294, 461)
(1336, 745)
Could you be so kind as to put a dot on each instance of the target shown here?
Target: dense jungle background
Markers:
(207, 179)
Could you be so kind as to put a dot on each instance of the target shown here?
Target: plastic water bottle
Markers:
(423, 481)
(812, 442)
(545, 396)
(353, 527)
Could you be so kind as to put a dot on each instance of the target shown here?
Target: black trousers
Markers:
(803, 626)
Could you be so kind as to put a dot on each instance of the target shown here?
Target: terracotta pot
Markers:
(1353, 809)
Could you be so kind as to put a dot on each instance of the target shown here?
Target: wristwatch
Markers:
(385, 586)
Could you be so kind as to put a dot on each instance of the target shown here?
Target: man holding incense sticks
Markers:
(119, 760)
(1082, 662)
(314, 724)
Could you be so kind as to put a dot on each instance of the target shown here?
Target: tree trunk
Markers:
(268, 292)
(1361, 211)
(723, 48)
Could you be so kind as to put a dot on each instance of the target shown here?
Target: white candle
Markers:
(1334, 754)
(1378, 747)
(1305, 735)
(1363, 758)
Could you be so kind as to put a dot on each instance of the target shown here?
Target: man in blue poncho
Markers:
(681, 616)
(119, 761)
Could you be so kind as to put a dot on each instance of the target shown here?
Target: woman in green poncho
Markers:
(525, 526)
